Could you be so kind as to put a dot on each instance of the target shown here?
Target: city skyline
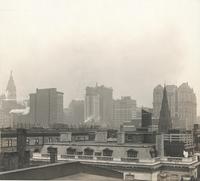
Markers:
(82, 98)
(100, 90)
(66, 49)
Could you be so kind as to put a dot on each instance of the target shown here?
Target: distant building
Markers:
(138, 114)
(11, 89)
(165, 122)
(46, 107)
(124, 110)
(172, 100)
(20, 118)
(146, 118)
(98, 105)
(187, 107)
(5, 119)
(74, 114)
(8, 102)
(182, 105)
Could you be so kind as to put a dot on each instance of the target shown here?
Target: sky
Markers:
(129, 45)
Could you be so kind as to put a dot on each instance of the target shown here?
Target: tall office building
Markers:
(74, 114)
(46, 108)
(182, 105)
(98, 105)
(124, 110)
(187, 106)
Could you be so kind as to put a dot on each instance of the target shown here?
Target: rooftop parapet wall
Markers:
(57, 170)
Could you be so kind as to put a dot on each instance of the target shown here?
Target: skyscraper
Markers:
(98, 105)
(165, 122)
(92, 106)
(46, 107)
(187, 107)
(124, 110)
(182, 105)
(74, 114)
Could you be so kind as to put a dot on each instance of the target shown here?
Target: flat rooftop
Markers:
(87, 177)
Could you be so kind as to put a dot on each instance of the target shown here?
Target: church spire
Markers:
(165, 122)
(11, 88)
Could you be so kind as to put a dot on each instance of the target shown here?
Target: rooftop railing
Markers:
(129, 159)
(85, 157)
(123, 159)
(105, 158)
(68, 156)
(179, 159)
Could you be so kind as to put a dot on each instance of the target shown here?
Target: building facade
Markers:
(182, 105)
(98, 105)
(187, 107)
(124, 110)
(46, 108)
(136, 159)
(8, 102)
(74, 114)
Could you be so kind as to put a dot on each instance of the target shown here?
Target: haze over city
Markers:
(130, 46)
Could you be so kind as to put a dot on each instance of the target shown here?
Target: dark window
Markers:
(36, 150)
(71, 151)
(88, 151)
(132, 153)
(107, 152)
(9, 142)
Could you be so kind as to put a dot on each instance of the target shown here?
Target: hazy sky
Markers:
(129, 45)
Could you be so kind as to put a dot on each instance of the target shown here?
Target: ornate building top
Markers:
(11, 88)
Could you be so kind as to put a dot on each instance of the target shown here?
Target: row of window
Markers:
(106, 152)
(8, 143)
(12, 142)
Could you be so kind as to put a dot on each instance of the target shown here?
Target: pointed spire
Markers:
(11, 88)
(165, 122)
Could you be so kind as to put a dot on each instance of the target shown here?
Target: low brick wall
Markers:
(53, 171)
